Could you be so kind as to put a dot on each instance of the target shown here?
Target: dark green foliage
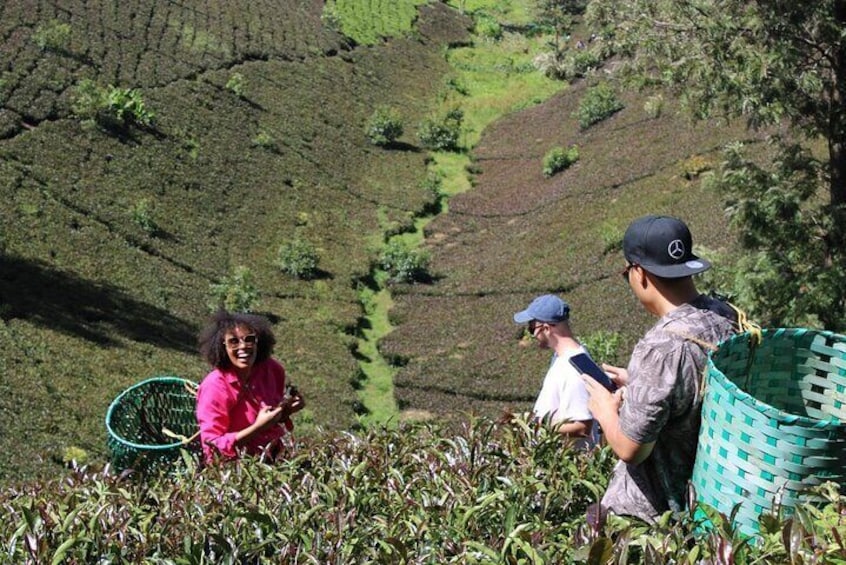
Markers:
(384, 127)
(403, 263)
(488, 492)
(771, 208)
(298, 258)
(442, 134)
(599, 103)
(558, 159)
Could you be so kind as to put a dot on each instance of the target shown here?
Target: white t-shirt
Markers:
(563, 395)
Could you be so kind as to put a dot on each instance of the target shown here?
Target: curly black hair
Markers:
(211, 344)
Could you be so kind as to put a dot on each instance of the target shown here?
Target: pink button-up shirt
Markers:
(224, 408)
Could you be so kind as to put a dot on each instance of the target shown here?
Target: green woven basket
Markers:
(773, 422)
(149, 423)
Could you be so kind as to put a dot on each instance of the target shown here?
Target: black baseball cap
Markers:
(663, 246)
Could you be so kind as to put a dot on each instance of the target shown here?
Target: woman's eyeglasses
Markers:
(625, 272)
(248, 340)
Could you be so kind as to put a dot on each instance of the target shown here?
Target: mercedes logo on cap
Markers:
(676, 249)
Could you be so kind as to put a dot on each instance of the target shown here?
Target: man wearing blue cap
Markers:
(652, 424)
(563, 397)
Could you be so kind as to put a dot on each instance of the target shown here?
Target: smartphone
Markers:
(584, 364)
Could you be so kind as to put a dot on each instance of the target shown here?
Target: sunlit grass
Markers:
(377, 395)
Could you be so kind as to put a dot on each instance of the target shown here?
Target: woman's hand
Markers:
(291, 405)
(268, 415)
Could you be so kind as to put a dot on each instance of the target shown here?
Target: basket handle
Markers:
(744, 324)
(185, 440)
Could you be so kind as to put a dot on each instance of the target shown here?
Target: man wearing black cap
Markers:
(652, 424)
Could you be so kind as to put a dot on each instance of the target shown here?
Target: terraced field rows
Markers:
(141, 43)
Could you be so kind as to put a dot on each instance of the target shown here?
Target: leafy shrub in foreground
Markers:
(298, 258)
(384, 126)
(599, 102)
(508, 492)
(557, 159)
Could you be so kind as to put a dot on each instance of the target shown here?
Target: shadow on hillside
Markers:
(93, 311)
(402, 146)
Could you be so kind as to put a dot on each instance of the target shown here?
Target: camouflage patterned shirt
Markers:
(662, 404)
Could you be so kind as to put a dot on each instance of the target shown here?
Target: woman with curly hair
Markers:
(242, 404)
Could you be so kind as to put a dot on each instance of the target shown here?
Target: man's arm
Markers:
(578, 428)
(605, 407)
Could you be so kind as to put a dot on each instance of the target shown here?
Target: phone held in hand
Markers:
(584, 364)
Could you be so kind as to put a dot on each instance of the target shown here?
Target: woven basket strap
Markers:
(192, 388)
(180, 437)
(744, 324)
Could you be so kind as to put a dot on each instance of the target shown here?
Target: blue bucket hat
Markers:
(547, 308)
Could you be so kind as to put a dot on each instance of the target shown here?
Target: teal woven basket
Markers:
(150, 423)
(773, 422)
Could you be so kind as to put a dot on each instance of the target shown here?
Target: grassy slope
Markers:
(90, 302)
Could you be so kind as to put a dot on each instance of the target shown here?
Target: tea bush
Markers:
(237, 84)
(236, 293)
(599, 103)
(264, 140)
(142, 216)
(654, 106)
(404, 264)
(53, 35)
(111, 106)
(512, 491)
(442, 134)
(384, 127)
(487, 26)
(298, 258)
(557, 159)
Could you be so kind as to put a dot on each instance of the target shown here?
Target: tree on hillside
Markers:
(774, 62)
(558, 15)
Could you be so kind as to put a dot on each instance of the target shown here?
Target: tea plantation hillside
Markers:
(518, 234)
(156, 157)
(152, 152)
